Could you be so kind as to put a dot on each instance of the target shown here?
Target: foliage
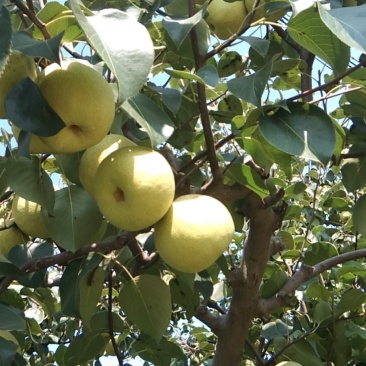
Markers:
(253, 121)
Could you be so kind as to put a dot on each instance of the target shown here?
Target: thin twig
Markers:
(37, 22)
(205, 118)
(110, 320)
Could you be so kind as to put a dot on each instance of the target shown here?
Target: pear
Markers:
(83, 99)
(195, 231)
(93, 156)
(28, 217)
(134, 187)
(10, 236)
(17, 68)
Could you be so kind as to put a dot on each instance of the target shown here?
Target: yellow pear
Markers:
(10, 237)
(93, 156)
(195, 231)
(84, 101)
(17, 68)
(134, 187)
(225, 18)
(27, 215)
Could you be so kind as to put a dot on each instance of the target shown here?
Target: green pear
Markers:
(225, 18)
(93, 156)
(10, 236)
(195, 231)
(27, 215)
(134, 187)
(84, 101)
(17, 68)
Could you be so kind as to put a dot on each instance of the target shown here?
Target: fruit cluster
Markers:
(134, 186)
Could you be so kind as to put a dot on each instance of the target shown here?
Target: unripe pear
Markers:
(134, 187)
(17, 68)
(195, 231)
(83, 99)
(225, 18)
(93, 156)
(10, 237)
(28, 217)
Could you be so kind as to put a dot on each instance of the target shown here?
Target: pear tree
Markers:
(182, 183)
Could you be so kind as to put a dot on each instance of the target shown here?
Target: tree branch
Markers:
(63, 258)
(201, 100)
(305, 273)
(38, 23)
(110, 321)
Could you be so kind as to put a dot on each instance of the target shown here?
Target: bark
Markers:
(231, 329)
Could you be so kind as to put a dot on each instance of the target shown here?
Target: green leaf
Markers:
(84, 348)
(69, 290)
(183, 295)
(309, 31)
(11, 318)
(245, 176)
(8, 349)
(250, 88)
(274, 284)
(146, 302)
(91, 286)
(154, 120)
(322, 312)
(7, 268)
(354, 173)
(305, 131)
(319, 252)
(359, 215)
(171, 98)
(347, 24)
(303, 353)
(129, 59)
(5, 36)
(230, 62)
(350, 300)
(58, 18)
(49, 48)
(208, 74)
(160, 353)
(316, 291)
(75, 219)
(179, 29)
(184, 75)
(275, 328)
(30, 181)
(258, 44)
(69, 166)
(100, 322)
(26, 107)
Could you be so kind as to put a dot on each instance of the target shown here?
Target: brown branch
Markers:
(201, 100)
(143, 259)
(305, 273)
(328, 84)
(37, 22)
(246, 25)
(110, 320)
(232, 328)
(63, 258)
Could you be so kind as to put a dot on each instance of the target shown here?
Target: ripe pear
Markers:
(225, 18)
(84, 101)
(195, 231)
(10, 237)
(134, 187)
(93, 156)
(17, 68)
(28, 217)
